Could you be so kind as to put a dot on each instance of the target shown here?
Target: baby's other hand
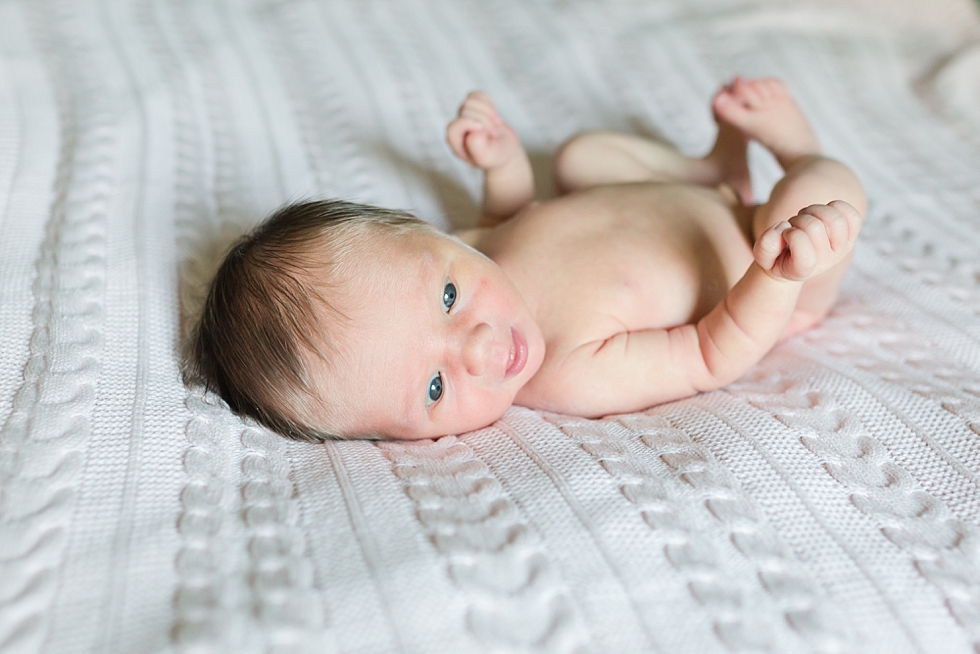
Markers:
(480, 137)
(812, 242)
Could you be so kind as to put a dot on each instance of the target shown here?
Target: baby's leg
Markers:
(600, 158)
(810, 181)
(765, 111)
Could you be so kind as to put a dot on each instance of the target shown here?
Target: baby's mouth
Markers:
(518, 354)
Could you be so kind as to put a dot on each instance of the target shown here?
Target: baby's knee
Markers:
(821, 180)
(572, 159)
(580, 144)
(811, 180)
(595, 158)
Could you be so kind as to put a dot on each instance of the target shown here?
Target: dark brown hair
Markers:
(265, 307)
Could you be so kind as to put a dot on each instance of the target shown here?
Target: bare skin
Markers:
(649, 278)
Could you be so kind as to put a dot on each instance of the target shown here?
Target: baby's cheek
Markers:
(489, 408)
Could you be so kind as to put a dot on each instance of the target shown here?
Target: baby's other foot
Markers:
(480, 137)
(764, 110)
(810, 243)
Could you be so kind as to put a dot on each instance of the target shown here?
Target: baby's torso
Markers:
(621, 258)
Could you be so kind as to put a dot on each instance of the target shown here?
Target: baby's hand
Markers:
(479, 136)
(812, 242)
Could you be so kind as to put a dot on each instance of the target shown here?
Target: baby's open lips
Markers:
(518, 354)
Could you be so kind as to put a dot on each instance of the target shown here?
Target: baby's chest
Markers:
(596, 294)
(634, 279)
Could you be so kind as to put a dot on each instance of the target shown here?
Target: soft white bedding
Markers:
(827, 502)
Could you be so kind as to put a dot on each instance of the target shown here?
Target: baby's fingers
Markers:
(801, 259)
(456, 136)
(826, 225)
(812, 221)
(478, 105)
(851, 216)
(838, 230)
(770, 245)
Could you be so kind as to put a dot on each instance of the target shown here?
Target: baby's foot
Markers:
(480, 137)
(810, 243)
(764, 110)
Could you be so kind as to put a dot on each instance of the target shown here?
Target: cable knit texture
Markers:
(828, 501)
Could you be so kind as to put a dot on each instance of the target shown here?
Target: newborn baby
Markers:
(651, 277)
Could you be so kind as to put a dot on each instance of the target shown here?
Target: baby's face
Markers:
(441, 341)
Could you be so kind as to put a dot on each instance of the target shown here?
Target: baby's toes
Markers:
(749, 92)
(726, 104)
(774, 87)
(733, 106)
(764, 89)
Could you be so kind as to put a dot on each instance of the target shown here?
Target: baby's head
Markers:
(338, 320)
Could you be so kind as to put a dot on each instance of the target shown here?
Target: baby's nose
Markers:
(477, 347)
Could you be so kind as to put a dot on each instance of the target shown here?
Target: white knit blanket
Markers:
(828, 502)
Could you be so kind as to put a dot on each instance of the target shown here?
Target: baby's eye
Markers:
(434, 392)
(448, 296)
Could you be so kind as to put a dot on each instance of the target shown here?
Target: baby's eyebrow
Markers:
(412, 413)
(428, 274)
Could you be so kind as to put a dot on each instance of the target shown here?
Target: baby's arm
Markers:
(635, 370)
(480, 138)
